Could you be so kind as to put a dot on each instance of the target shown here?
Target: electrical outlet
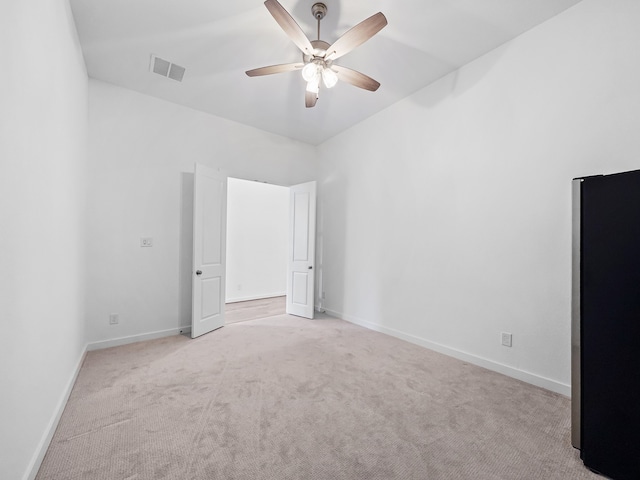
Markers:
(146, 242)
(322, 296)
(506, 339)
(114, 319)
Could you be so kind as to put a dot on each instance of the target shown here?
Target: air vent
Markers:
(176, 72)
(166, 68)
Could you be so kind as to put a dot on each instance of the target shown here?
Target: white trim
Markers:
(260, 297)
(41, 450)
(512, 372)
(115, 342)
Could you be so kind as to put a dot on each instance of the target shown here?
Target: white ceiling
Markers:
(218, 41)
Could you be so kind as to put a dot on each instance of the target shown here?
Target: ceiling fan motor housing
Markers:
(319, 49)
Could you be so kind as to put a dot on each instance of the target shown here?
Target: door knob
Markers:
(198, 272)
(310, 267)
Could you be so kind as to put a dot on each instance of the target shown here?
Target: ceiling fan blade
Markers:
(355, 78)
(356, 36)
(270, 70)
(289, 25)
(310, 99)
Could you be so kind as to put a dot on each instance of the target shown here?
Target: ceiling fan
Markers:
(317, 55)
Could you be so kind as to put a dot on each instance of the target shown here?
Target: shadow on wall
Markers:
(331, 240)
(185, 248)
(457, 82)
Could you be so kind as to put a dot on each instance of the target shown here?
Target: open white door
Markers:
(209, 250)
(302, 250)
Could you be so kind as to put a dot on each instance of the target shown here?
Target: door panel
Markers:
(210, 297)
(302, 235)
(300, 207)
(209, 238)
(300, 288)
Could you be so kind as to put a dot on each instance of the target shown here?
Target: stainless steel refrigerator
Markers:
(606, 323)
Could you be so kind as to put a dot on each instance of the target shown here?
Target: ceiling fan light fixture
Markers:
(329, 77)
(310, 71)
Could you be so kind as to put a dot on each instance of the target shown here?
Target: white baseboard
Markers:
(260, 297)
(38, 456)
(115, 342)
(512, 372)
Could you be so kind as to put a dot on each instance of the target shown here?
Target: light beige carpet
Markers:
(288, 398)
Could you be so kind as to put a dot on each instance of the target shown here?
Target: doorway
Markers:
(257, 247)
(209, 259)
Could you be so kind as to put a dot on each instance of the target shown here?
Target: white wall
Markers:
(257, 240)
(446, 218)
(142, 152)
(43, 128)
